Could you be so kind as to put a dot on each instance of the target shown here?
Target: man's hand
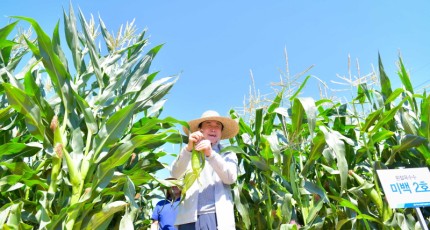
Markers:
(197, 140)
(193, 139)
(204, 146)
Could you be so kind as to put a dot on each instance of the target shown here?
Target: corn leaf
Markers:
(6, 45)
(314, 211)
(85, 109)
(92, 51)
(406, 81)
(298, 116)
(338, 147)
(409, 141)
(371, 119)
(387, 117)
(385, 82)
(26, 106)
(258, 125)
(12, 150)
(270, 115)
(408, 123)
(150, 124)
(242, 208)
(114, 128)
(293, 97)
(382, 135)
(318, 145)
(14, 219)
(72, 39)
(4, 213)
(308, 105)
(53, 65)
(102, 217)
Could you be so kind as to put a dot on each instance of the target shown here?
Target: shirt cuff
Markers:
(212, 155)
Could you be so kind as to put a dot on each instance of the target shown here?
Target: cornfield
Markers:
(80, 138)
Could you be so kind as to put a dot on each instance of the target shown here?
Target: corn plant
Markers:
(79, 132)
(311, 164)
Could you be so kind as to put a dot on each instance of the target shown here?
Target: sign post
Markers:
(421, 218)
(407, 188)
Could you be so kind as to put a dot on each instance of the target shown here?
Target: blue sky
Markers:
(214, 45)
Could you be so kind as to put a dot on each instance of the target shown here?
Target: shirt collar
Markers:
(217, 147)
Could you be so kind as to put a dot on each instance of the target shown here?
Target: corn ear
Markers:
(189, 179)
(61, 151)
(197, 164)
(197, 161)
(58, 154)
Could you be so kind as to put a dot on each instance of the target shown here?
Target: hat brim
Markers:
(230, 126)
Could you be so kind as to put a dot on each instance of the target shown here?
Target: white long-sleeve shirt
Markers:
(224, 173)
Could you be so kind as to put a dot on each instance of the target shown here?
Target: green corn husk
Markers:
(197, 164)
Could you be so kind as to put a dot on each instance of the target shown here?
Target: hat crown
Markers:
(210, 113)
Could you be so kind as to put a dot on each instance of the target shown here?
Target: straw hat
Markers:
(230, 126)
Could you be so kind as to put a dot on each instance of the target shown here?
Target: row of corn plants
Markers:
(79, 128)
(311, 164)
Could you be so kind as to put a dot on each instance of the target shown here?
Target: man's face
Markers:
(211, 130)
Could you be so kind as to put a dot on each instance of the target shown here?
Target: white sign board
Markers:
(406, 188)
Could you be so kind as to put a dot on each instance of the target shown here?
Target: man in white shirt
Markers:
(208, 203)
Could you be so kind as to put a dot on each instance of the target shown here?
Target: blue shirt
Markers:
(165, 213)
